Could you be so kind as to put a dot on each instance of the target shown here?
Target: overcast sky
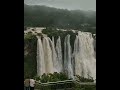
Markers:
(66, 4)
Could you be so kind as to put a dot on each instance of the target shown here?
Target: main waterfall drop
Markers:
(49, 58)
(48, 55)
(81, 62)
(59, 54)
(40, 58)
(67, 57)
(54, 56)
(84, 55)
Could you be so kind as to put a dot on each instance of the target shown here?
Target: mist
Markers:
(65, 4)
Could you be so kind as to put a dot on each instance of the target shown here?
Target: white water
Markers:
(48, 56)
(85, 62)
(54, 56)
(59, 54)
(40, 58)
(81, 62)
(95, 47)
(67, 57)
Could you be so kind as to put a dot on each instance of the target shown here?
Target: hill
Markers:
(43, 16)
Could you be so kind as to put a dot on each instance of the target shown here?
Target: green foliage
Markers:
(37, 78)
(30, 47)
(40, 34)
(84, 87)
(82, 79)
(51, 77)
(61, 77)
(37, 86)
(42, 16)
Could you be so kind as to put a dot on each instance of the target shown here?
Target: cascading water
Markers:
(85, 62)
(48, 55)
(59, 54)
(95, 46)
(81, 62)
(54, 56)
(67, 57)
(40, 58)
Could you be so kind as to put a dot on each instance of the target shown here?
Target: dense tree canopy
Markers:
(30, 49)
(42, 16)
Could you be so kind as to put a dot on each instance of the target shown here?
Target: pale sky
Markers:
(66, 4)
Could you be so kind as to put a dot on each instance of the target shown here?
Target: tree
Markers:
(42, 16)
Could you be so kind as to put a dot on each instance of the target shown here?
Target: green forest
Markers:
(43, 16)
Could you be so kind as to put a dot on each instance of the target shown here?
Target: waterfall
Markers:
(81, 62)
(54, 56)
(59, 54)
(48, 55)
(85, 62)
(67, 57)
(40, 58)
(94, 43)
